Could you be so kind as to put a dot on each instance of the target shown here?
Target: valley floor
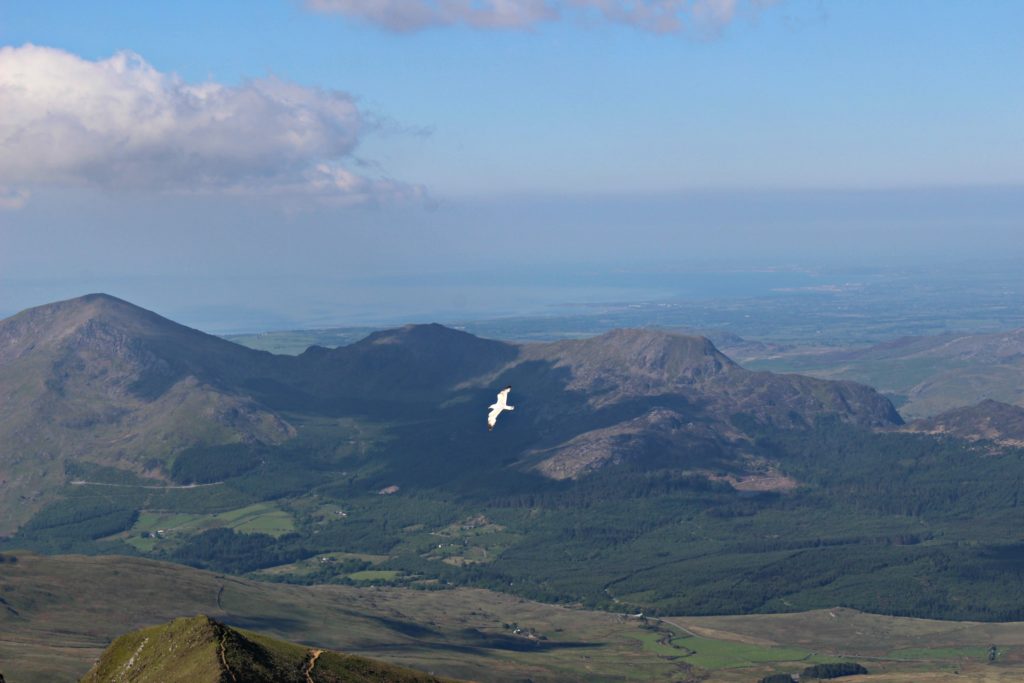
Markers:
(58, 613)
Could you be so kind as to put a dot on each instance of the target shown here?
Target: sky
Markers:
(285, 163)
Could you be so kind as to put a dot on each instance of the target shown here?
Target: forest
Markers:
(887, 522)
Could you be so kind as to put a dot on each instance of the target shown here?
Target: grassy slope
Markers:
(201, 650)
(926, 375)
(181, 651)
(49, 631)
(58, 630)
(100, 380)
(892, 648)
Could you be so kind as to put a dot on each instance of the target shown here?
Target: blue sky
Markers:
(346, 144)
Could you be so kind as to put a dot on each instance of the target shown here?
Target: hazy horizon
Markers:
(326, 162)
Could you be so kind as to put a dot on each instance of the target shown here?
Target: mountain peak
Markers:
(52, 323)
(692, 347)
(420, 333)
(102, 297)
(428, 358)
(103, 378)
(202, 650)
(106, 328)
(643, 354)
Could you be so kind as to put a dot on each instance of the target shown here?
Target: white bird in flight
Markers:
(500, 404)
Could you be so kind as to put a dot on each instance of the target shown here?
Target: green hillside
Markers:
(202, 650)
(925, 376)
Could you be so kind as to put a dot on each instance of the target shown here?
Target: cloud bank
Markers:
(659, 16)
(119, 123)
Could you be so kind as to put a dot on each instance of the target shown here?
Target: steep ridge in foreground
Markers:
(202, 650)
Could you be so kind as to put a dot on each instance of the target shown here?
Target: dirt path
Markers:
(224, 659)
(81, 482)
(315, 654)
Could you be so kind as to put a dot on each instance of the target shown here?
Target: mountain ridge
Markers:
(925, 375)
(202, 650)
(100, 379)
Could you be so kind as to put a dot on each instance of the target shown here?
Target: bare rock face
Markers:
(658, 428)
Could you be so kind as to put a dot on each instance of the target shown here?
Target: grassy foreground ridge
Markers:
(201, 650)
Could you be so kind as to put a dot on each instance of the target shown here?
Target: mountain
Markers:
(201, 650)
(1000, 423)
(640, 470)
(676, 395)
(97, 382)
(924, 375)
(404, 364)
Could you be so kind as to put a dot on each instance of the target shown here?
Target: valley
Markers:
(50, 632)
(647, 472)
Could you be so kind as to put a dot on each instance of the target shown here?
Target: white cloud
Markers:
(412, 15)
(661, 16)
(120, 123)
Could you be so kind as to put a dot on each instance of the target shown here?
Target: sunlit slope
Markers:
(99, 380)
(202, 650)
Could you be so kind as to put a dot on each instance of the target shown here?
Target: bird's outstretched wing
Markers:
(500, 404)
(503, 397)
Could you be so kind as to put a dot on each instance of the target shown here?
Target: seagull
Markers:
(500, 404)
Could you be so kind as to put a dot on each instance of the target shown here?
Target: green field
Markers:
(720, 654)
(374, 575)
(263, 518)
(310, 565)
(712, 655)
